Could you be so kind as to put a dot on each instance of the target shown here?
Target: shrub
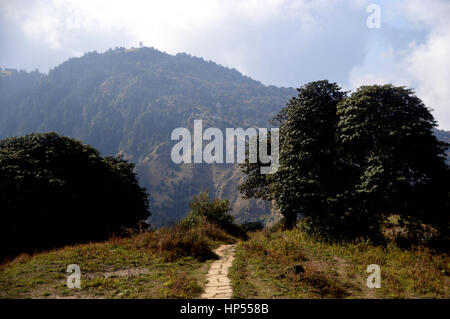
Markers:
(203, 210)
(252, 226)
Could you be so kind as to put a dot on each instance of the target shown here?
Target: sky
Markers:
(277, 42)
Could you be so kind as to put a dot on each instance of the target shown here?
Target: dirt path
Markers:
(218, 285)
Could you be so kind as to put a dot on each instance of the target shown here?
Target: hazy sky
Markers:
(279, 42)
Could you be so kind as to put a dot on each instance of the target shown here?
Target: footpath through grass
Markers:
(167, 263)
(289, 264)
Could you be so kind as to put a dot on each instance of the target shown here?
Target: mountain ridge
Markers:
(127, 101)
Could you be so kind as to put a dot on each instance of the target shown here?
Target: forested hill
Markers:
(129, 101)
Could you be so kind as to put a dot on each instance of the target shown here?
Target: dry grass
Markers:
(290, 264)
(166, 263)
(197, 242)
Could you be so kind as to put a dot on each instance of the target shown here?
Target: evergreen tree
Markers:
(393, 162)
(348, 163)
(56, 191)
(304, 180)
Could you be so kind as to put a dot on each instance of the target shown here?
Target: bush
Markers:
(216, 212)
(252, 226)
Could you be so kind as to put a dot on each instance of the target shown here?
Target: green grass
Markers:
(173, 262)
(289, 264)
(167, 263)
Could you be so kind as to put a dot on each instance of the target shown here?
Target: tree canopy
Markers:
(347, 163)
(393, 162)
(54, 191)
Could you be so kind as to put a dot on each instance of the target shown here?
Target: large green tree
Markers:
(348, 163)
(54, 190)
(304, 180)
(393, 162)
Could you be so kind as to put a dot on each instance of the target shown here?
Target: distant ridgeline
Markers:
(128, 101)
(445, 137)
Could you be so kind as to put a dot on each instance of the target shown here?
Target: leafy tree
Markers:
(393, 162)
(347, 163)
(304, 180)
(56, 191)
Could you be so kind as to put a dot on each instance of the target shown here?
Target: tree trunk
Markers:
(290, 220)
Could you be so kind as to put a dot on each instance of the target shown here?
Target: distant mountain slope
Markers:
(129, 101)
(445, 137)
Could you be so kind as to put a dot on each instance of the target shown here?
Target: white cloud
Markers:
(163, 23)
(428, 64)
(282, 42)
(425, 66)
(224, 31)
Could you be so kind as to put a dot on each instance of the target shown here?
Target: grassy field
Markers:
(173, 262)
(289, 264)
(167, 263)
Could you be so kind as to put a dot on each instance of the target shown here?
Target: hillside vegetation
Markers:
(366, 173)
(292, 264)
(166, 263)
(173, 262)
(370, 183)
(170, 262)
(128, 101)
